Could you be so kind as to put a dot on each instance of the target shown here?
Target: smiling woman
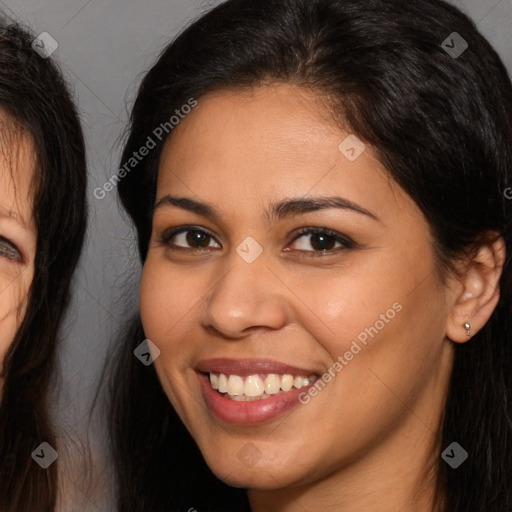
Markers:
(42, 163)
(329, 222)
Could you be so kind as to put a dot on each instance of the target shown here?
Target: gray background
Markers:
(104, 49)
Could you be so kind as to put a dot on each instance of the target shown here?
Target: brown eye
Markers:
(197, 237)
(322, 241)
(187, 238)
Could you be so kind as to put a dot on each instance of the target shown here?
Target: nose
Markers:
(249, 296)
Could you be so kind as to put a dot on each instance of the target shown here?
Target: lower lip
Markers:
(251, 412)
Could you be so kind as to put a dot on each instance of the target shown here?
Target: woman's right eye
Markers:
(188, 238)
(9, 250)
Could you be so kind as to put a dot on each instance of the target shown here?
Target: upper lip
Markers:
(245, 367)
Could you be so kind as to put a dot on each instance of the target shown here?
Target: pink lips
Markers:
(253, 412)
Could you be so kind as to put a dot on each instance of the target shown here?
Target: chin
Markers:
(258, 474)
(257, 479)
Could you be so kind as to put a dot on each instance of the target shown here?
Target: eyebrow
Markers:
(277, 211)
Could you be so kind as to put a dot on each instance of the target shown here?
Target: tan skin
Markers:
(365, 441)
(18, 232)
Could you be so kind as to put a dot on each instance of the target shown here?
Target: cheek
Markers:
(9, 326)
(337, 306)
(390, 340)
(13, 304)
(388, 318)
(166, 297)
(167, 301)
(154, 301)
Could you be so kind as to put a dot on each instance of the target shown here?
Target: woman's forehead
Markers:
(17, 171)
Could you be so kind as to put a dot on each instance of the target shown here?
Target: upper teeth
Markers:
(255, 385)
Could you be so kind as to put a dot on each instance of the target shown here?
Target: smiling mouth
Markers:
(258, 386)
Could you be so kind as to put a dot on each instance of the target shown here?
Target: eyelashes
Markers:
(9, 250)
(322, 240)
(322, 236)
(204, 235)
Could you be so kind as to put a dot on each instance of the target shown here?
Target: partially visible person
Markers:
(43, 217)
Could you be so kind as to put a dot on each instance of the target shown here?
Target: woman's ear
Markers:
(478, 292)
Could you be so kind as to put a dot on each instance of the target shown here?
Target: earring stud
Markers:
(467, 326)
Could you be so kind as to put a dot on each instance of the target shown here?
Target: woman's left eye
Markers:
(322, 241)
(9, 250)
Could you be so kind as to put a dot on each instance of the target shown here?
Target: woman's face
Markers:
(18, 234)
(244, 292)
